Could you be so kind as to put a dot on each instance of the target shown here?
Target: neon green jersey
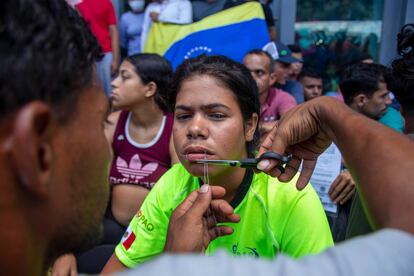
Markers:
(274, 217)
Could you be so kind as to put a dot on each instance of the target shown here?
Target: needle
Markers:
(206, 180)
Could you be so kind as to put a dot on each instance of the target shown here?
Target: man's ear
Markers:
(272, 78)
(151, 89)
(360, 100)
(29, 148)
(250, 127)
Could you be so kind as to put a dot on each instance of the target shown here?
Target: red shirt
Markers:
(277, 102)
(99, 14)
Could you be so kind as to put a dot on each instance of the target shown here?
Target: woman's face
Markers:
(127, 88)
(209, 124)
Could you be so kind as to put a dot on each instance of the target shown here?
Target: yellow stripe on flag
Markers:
(163, 35)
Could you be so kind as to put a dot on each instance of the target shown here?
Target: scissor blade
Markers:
(231, 163)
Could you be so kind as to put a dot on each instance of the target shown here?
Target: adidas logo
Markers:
(135, 170)
(120, 137)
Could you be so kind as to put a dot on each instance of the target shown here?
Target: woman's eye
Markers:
(182, 117)
(217, 116)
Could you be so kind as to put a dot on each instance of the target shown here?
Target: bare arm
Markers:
(379, 159)
(113, 32)
(272, 33)
(113, 265)
(110, 126)
(65, 265)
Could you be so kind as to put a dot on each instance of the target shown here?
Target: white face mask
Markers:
(73, 3)
(137, 5)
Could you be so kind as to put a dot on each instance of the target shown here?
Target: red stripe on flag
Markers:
(128, 242)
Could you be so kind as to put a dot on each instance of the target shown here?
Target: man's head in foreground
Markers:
(365, 90)
(53, 153)
(311, 82)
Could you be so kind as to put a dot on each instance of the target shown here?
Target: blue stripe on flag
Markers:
(233, 41)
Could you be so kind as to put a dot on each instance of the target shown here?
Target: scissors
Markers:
(250, 162)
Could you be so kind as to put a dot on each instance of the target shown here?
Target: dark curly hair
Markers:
(362, 78)
(233, 75)
(155, 68)
(47, 53)
(309, 72)
(403, 69)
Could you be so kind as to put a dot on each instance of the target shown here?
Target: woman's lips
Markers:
(113, 96)
(193, 156)
(197, 153)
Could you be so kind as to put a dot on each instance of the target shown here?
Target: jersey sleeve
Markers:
(145, 236)
(306, 229)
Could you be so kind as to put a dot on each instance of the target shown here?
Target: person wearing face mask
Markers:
(130, 28)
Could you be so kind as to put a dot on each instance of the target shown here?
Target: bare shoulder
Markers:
(110, 125)
(113, 117)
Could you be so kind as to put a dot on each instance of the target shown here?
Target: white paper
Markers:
(327, 169)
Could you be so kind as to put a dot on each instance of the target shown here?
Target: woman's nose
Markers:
(197, 128)
(114, 82)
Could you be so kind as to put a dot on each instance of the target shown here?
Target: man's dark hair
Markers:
(47, 53)
(154, 68)
(362, 78)
(261, 52)
(232, 75)
(309, 72)
(403, 70)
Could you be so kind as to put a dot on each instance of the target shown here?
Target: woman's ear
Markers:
(151, 89)
(250, 127)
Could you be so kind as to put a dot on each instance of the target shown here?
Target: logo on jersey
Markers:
(128, 238)
(120, 137)
(245, 251)
(144, 221)
(135, 170)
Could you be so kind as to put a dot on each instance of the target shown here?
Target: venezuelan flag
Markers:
(232, 33)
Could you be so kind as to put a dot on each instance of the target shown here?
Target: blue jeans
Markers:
(104, 72)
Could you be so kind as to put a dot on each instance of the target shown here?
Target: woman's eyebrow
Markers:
(184, 107)
(215, 105)
(208, 106)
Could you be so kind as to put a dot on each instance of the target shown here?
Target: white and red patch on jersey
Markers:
(128, 238)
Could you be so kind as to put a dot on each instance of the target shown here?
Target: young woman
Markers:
(140, 134)
(216, 115)
(141, 138)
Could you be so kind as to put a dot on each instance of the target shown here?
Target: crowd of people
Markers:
(101, 178)
(129, 36)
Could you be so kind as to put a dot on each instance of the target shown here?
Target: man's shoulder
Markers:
(279, 95)
(388, 252)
